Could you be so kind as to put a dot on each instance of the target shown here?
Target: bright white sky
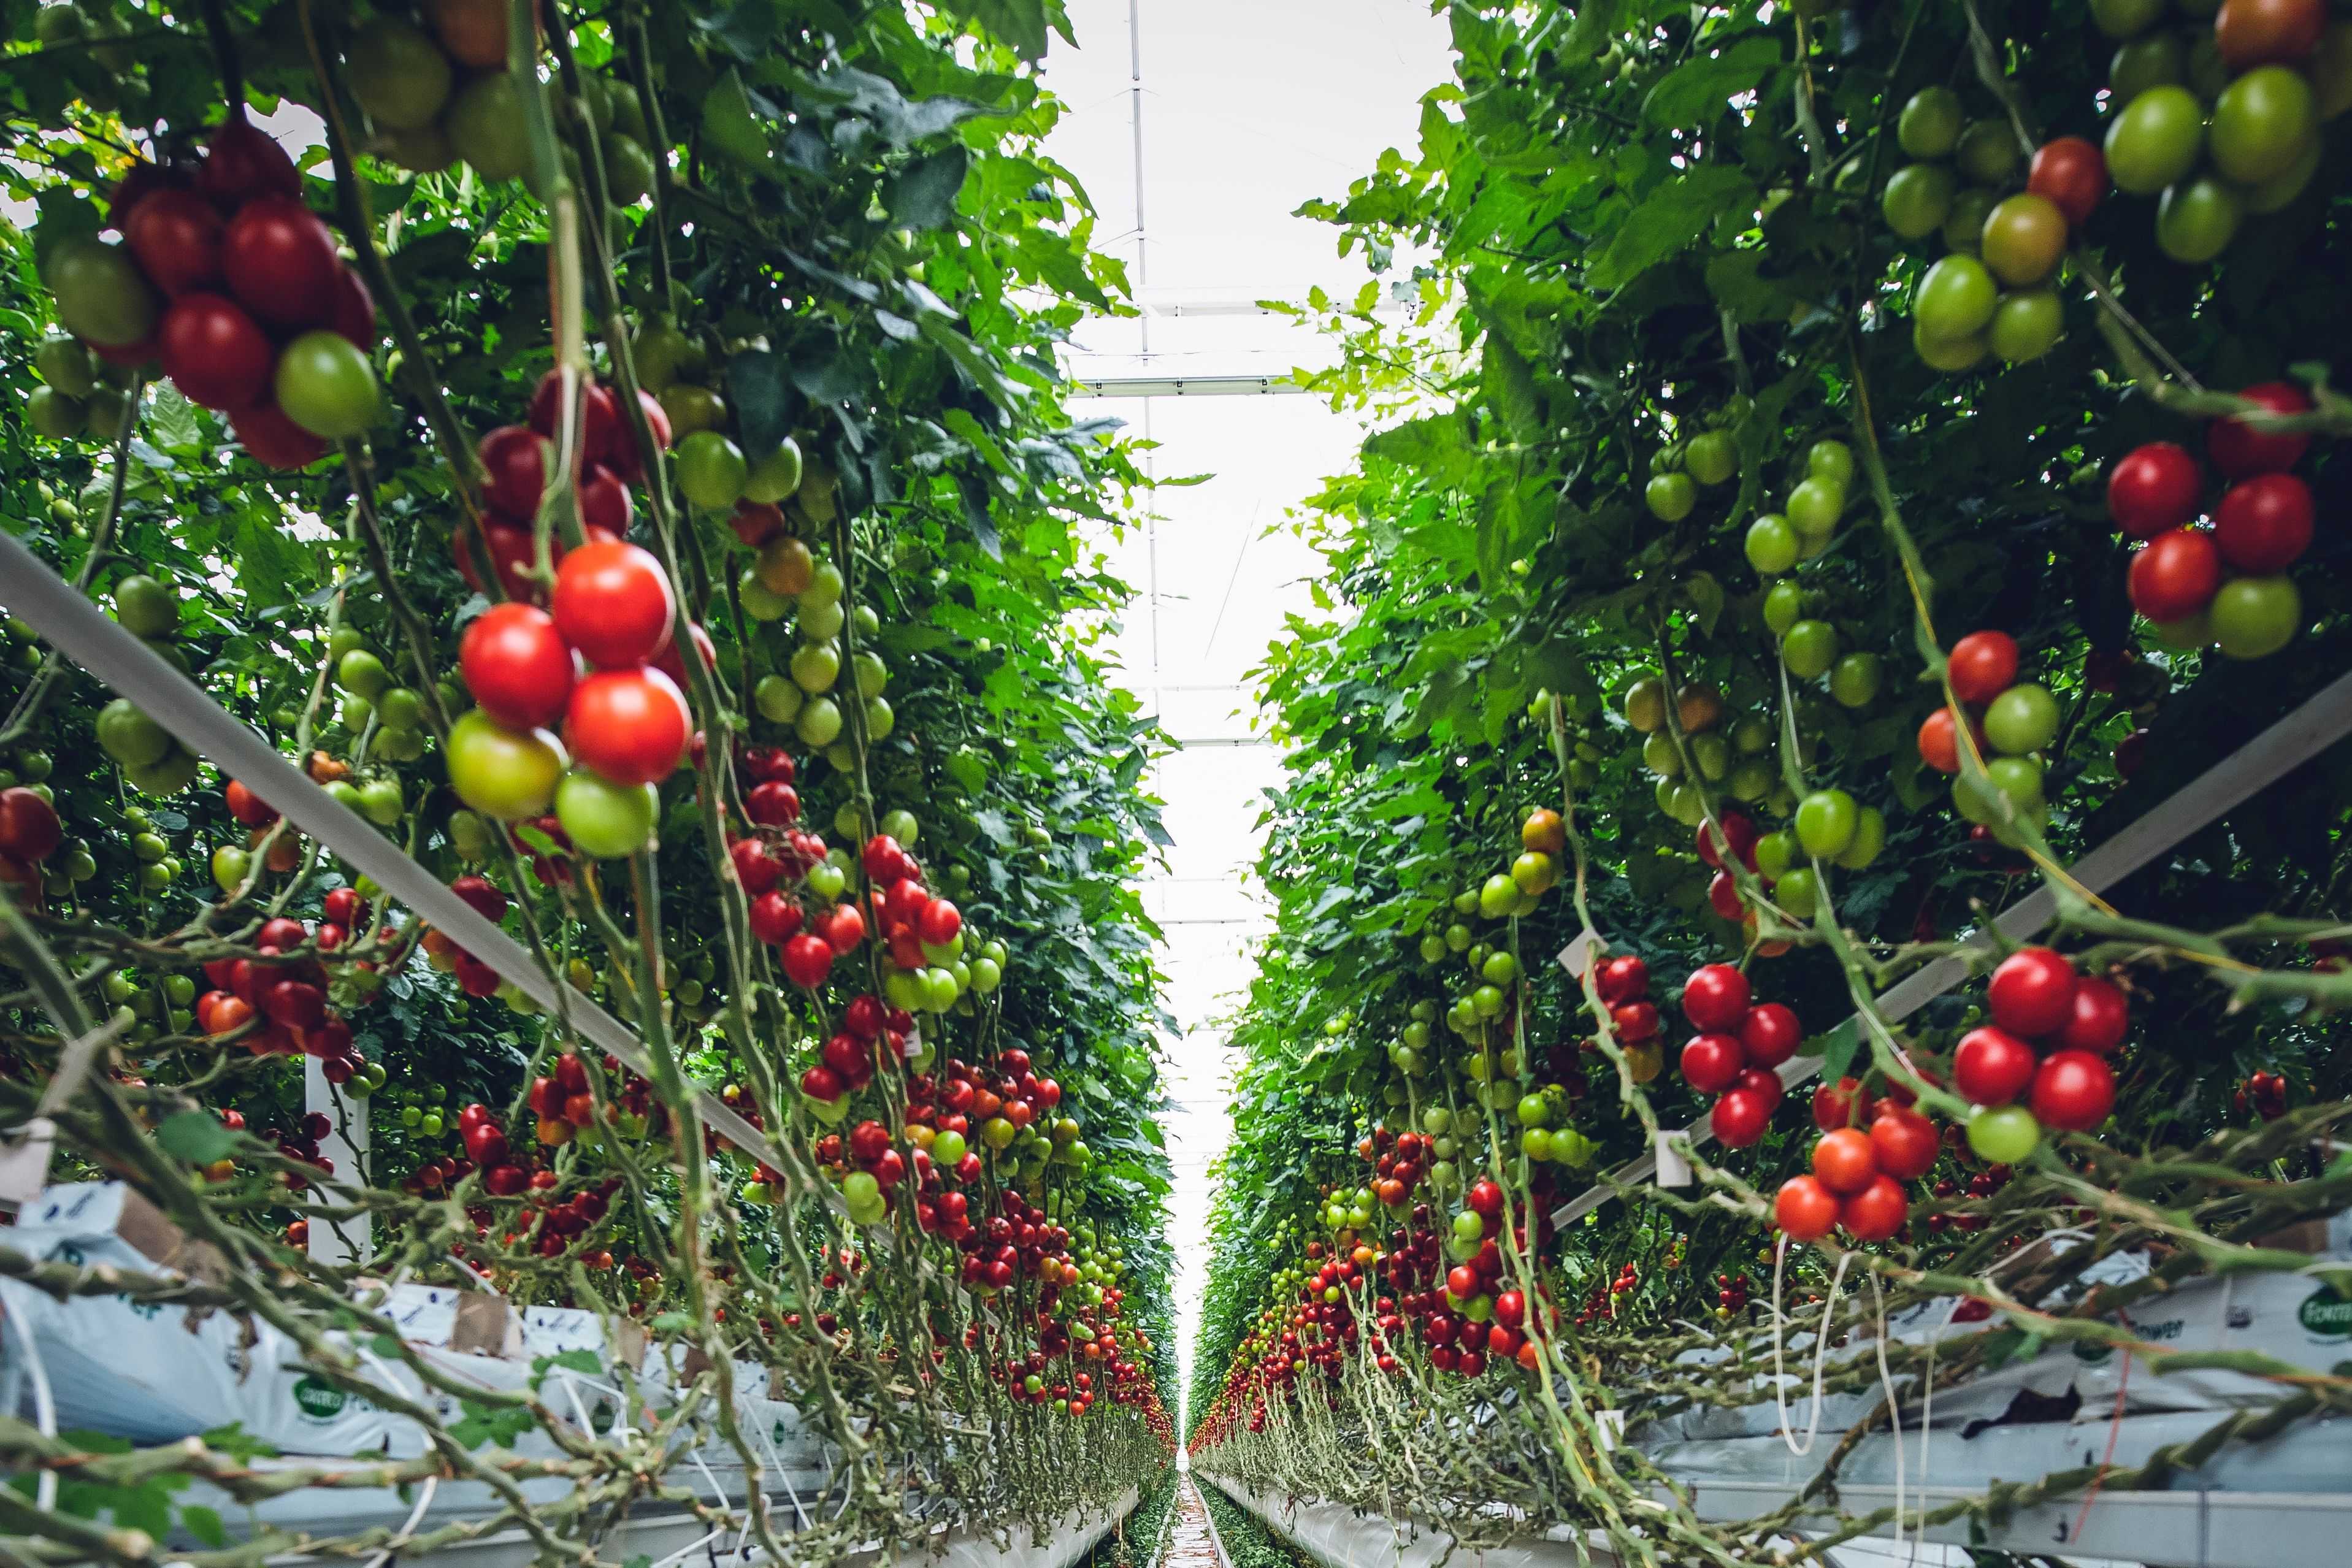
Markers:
(1248, 109)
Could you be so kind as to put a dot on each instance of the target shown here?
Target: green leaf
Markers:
(1837, 1049)
(923, 194)
(1668, 220)
(195, 1137)
(765, 400)
(172, 420)
(1510, 388)
(1698, 90)
(205, 1524)
(1704, 596)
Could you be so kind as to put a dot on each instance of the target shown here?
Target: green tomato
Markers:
(231, 866)
(1752, 781)
(2152, 59)
(2019, 779)
(711, 470)
(825, 587)
(778, 699)
(501, 773)
(1809, 648)
(380, 801)
(1784, 606)
(1869, 839)
(1956, 299)
(130, 737)
(872, 674)
(776, 475)
(1681, 802)
(1660, 757)
(1918, 199)
(1771, 544)
(1826, 821)
(398, 74)
(2024, 239)
(2274, 194)
(816, 666)
(1534, 1142)
(2156, 141)
(2125, 18)
(1457, 936)
(1671, 497)
(65, 364)
(759, 602)
(2262, 123)
(326, 385)
(2195, 632)
(2004, 1134)
(1931, 122)
(1712, 457)
(1949, 354)
(2254, 617)
(1854, 680)
(145, 607)
(879, 719)
(629, 170)
(819, 724)
(55, 414)
(100, 291)
(1987, 153)
(1815, 506)
(1712, 753)
(1432, 948)
(2021, 719)
(603, 819)
(361, 673)
(400, 708)
(1964, 228)
(1496, 896)
(2197, 219)
(168, 774)
(1500, 968)
(1799, 893)
(1830, 460)
(486, 127)
(987, 974)
(2026, 325)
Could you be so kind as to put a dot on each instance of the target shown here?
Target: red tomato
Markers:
(1763, 1082)
(842, 929)
(939, 923)
(1805, 1209)
(2155, 488)
(1622, 979)
(1904, 1142)
(2075, 1090)
(2268, 32)
(807, 960)
(2239, 450)
(613, 602)
(600, 416)
(29, 828)
(755, 867)
(354, 314)
(517, 665)
(273, 440)
(2032, 992)
(1877, 1212)
(774, 803)
(630, 726)
(1939, 742)
(1835, 1104)
(1711, 1062)
(1723, 896)
(1983, 665)
(1770, 1034)
(756, 522)
(1714, 998)
(2072, 174)
(175, 236)
(669, 663)
(2261, 526)
(626, 460)
(1740, 1118)
(604, 501)
(246, 807)
(1635, 1022)
(766, 762)
(1738, 836)
(242, 162)
(514, 471)
(1993, 1066)
(1844, 1161)
(2175, 575)
(1485, 1197)
(2100, 1017)
(280, 262)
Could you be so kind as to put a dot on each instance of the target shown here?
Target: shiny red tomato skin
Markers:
(807, 959)
(1983, 664)
(242, 162)
(1711, 1062)
(2251, 33)
(1762, 1082)
(1738, 836)
(354, 317)
(1993, 1066)
(280, 262)
(2175, 575)
(1622, 979)
(514, 471)
(2101, 1016)
(2072, 174)
(604, 501)
(215, 353)
(29, 828)
(613, 602)
(1904, 1142)
(600, 416)
(1714, 998)
(1877, 1212)
(2263, 525)
(2153, 489)
(2075, 1090)
(1740, 1118)
(273, 440)
(2239, 450)
(1770, 1034)
(1805, 1209)
(517, 665)
(1833, 1103)
(175, 234)
(2032, 992)
(1844, 1161)
(630, 726)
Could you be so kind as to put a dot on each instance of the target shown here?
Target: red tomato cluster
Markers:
(300, 1144)
(1857, 1176)
(29, 833)
(1396, 1160)
(239, 269)
(1981, 666)
(284, 987)
(516, 460)
(910, 919)
(2260, 525)
(507, 1173)
(1738, 835)
(848, 1059)
(1733, 1055)
(2037, 999)
(1018, 1241)
(1623, 983)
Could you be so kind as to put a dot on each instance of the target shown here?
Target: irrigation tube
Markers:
(1339, 1537)
(2260, 762)
(81, 631)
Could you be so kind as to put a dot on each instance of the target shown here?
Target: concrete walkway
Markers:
(1192, 1544)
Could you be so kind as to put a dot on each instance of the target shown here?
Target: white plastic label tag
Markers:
(1673, 1156)
(1577, 957)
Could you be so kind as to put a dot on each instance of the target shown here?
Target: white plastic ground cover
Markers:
(1339, 1537)
(79, 630)
(2261, 761)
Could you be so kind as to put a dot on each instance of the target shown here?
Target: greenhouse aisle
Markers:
(1191, 1544)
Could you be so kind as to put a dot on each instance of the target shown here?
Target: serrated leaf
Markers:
(1667, 221)
(1698, 90)
(195, 1137)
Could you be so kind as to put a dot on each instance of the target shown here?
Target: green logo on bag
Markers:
(2325, 1313)
(319, 1401)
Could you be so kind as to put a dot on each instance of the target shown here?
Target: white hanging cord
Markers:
(44, 1404)
(1927, 1426)
(1821, 1347)
(415, 1517)
(1894, 1410)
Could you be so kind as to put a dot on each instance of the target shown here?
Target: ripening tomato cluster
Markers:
(284, 987)
(29, 833)
(300, 1144)
(1018, 1240)
(228, 280)
(516, 460)
(2011, 722)
(2040, 1004)
(2223, 584)
(1739, 1045)
(1857, 1176)
(594, 664)
(565, 1103)
(1396, 1160)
